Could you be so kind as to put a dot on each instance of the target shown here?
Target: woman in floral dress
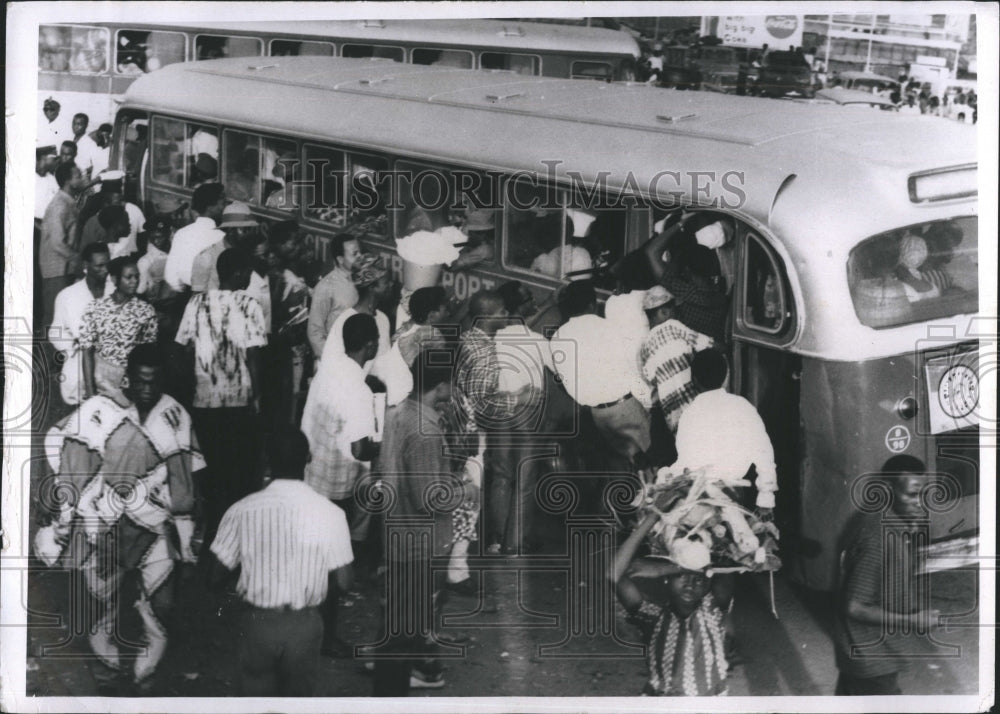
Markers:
(112, 326)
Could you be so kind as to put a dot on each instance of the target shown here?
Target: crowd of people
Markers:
(231, 414)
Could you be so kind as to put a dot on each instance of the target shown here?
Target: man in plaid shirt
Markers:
(485, 407)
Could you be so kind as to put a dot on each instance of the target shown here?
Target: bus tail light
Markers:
(906, 408)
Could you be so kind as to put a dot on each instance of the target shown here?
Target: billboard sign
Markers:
(778, 32)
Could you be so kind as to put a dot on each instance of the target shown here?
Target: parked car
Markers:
(695, 66)
(866, 82)
(854, 98)
(783, 74)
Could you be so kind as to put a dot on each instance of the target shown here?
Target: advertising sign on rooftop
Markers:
(778, 32)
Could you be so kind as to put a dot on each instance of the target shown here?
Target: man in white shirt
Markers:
(93, 151)
(71, 303)
(373, 283)
(595, 366)
(46, 186)
(340, 422)
(723, 432)
(290, 545)
(335, 292)
(207, 202)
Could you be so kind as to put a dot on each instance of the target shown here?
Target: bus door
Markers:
(761, 369)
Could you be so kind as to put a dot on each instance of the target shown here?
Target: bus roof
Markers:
(484, 34)
(802, 168)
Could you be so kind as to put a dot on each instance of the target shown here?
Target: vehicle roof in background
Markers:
(495, 34)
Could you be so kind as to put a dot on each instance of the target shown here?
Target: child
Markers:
(680, 614)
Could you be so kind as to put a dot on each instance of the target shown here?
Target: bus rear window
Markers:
(141, 51)
(73, 48)
(919, 273)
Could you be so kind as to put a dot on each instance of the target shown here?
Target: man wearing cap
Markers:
(94, 150)
(207, 203)
(335, 292)
(51, 131)
(481, 248)
(236, 226)
(46, 187)
(666, 355)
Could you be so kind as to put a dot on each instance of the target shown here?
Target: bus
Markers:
(853, 259)
(84, 66)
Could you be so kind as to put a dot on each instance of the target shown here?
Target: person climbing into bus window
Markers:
(481, 245)
(695, 281)
(568, 256)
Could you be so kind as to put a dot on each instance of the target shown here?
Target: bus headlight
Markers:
(906, 407)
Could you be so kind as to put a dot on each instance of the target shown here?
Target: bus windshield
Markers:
(923, 272)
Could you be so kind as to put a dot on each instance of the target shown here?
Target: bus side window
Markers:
(766, 301)
(219, 46)
(255, 170)
(520, 64)
(325, 168)
(461, 59)
(375, 51)
(369, 192)
(72, 48)
(591, 70)
(184, 154)
(140, 51)
(296, 48)
(535, 219)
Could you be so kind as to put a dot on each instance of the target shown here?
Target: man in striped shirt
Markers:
(666, 355)
(285, 540)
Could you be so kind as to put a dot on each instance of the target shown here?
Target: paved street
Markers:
(526, 647)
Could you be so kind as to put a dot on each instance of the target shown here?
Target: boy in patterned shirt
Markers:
(679, 612)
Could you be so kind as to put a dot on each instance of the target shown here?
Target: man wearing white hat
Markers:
(666, 355)
(236, 226)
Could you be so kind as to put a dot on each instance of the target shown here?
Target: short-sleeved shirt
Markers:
(865, 572)
(222, 325)
(113, 329)
(286, 539)
(685, 656)
(339, 411)
(666, 358)
(412, 462)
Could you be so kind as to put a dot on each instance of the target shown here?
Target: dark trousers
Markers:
(409, 620)
(230, 441)
(279, 652)
(849, 685)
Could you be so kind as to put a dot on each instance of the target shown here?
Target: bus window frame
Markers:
(573, 75)
(107, 71)
(565, 193)
(472, 56)
(261, 206)
(400, 48)
(538, 58)
(785, 331)
(187, 48)
(259, 40)
(153, 118)
(270, 45)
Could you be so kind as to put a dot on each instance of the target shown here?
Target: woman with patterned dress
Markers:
(112, 326)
